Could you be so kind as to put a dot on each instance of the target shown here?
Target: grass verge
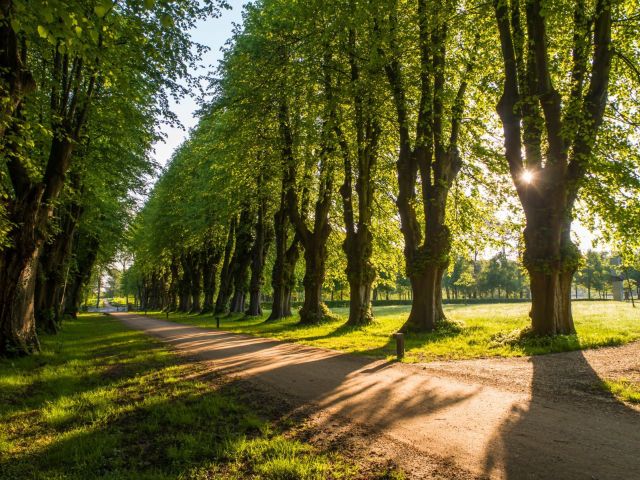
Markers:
(623, 389)
(102, 401)
(486, 330)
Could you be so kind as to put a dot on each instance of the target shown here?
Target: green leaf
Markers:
(148, 4)
(166, 21)
(42, 31)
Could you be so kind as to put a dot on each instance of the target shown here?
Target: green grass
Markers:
(485, 330)
(623, 389)
(102, 401)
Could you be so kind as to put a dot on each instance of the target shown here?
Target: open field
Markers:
(102, 401)
(476, 331)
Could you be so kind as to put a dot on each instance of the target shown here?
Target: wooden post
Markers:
(217, 322)
(399, 345)
(167, 314)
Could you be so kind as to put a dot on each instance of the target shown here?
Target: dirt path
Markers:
(513, 419)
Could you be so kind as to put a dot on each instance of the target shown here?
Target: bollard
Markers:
(399, 345)
(217, 322)
(167, 314)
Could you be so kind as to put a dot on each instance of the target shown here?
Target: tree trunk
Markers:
(210, 260)
(17, 286)
(184, 304)
(426, 309)
(53, 271)
(241, 262)
(224, 293)
(86, 253)
(361, 275)
(425, 271)
(313, 310)
(196, 275)
(551, 260)
(283, 273)
(258, 258)
(172, 304)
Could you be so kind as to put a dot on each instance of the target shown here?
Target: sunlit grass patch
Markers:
(623, 389)
(482, 330)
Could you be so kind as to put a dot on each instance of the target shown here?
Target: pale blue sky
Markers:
(213, 33)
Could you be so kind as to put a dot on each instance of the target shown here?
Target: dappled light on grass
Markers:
(485, 330)
(112, 403)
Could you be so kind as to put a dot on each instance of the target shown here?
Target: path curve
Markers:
(468, 412)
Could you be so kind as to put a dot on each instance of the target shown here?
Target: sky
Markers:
(212, 32)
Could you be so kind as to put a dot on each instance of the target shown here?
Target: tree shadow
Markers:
(570, 428)
(158, 438)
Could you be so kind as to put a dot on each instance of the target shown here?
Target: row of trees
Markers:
(363, 134)
(83, 86)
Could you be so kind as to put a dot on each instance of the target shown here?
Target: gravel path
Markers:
(526, 418)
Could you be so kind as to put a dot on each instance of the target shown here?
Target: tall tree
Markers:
(549, 136)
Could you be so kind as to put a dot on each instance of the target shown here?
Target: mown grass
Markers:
(475, 331)
(102, 401)
(623, 389)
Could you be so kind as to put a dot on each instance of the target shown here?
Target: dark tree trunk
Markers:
(242, 259)
(314, 241)
(358, 244)
(529, 107)
(224, 293)
(546, 238)
(283, 273)
(195, 283)
(15, 79)
(258, 258)
(184, 287)
(32, 207)
(210, 260)
(172, 304)
(436, 161)
(17, 285)
(87, 247)
(54, 271)
(313, 309)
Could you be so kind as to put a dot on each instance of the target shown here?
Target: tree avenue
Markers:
(83, 87)
(340, 146)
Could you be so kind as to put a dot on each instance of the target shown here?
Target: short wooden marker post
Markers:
(217, 322)
(399, 345)
(167, 314)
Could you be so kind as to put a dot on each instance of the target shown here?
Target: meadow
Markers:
(472, 331)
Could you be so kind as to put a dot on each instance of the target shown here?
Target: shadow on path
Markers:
(557, 430)
(570, 428)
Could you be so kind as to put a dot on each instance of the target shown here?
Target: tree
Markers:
(556, 130)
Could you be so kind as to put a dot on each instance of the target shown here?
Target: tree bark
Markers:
(242, 259)
(184, 287)
(358, 243)
(174, 291)
(258, 258)
(224, 293)
(32, 207)
(86, 254)
(529, 106)
(210, 260)
(283, 273)
(195, 283)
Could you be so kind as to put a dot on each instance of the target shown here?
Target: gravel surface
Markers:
(543, 417)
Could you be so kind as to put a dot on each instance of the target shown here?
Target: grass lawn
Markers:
(478, 331)
(102, 401)
(624, 389)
